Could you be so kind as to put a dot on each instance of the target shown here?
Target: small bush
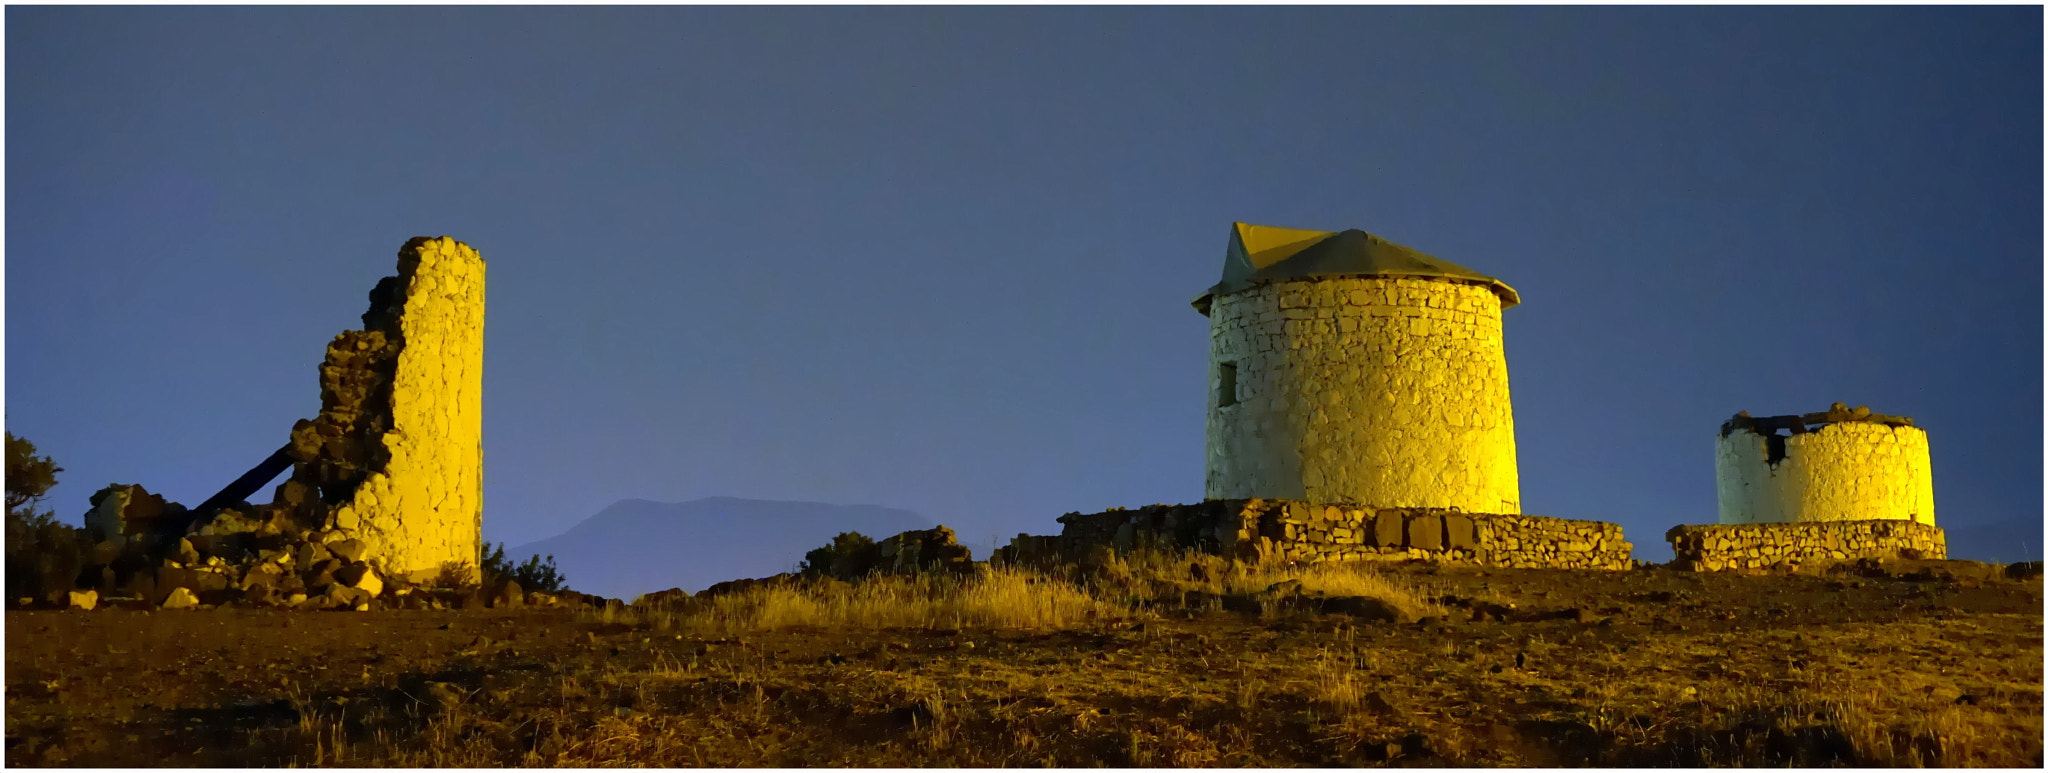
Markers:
(29, 477)
(849, 557)
(43, 557)
(534, 574)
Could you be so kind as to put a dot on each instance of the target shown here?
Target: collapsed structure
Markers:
(1846, 464)
(396, 454)
(1814, 488)
(386, 482)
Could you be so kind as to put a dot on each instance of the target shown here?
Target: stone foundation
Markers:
(1285, 530)
(1791, 545)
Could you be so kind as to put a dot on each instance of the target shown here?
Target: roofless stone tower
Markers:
(1346, 368)
(1846, 464)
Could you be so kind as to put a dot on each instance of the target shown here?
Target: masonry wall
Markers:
(424, 508)
(1376, 391)
(1790, 545)
(1846, 471)
(1283, 530)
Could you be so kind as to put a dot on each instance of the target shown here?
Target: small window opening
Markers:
(1226, 388)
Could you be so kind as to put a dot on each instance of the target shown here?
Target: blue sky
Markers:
(940, 258)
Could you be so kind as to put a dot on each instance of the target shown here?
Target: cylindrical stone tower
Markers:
(1842, 465)
(1346, 368)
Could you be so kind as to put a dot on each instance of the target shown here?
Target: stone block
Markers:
(360, 577)
(1426, 532)
(1459, 533)
(1126, 537)
(180, 598)
(349, 549)
(1387, 530)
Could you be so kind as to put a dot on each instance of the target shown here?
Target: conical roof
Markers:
(1260, 254)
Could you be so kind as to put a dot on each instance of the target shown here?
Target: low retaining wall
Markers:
(1789, 545)
(1284, 530)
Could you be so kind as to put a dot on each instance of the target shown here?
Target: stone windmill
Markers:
(1347, 368)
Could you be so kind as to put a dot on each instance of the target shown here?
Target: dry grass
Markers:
(1012, 597)
(1889, 729)
(1341, 580)
(990, 598)
(1010, 668)
(1146, 575)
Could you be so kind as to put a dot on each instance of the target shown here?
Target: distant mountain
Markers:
(636, 546)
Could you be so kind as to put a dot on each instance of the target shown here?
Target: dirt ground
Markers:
(1643, 667)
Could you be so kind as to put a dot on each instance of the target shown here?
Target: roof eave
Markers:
(1202, 303)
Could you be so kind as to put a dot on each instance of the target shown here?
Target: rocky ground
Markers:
(1910, 665)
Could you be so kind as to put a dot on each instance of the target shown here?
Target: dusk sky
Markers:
(940, 259)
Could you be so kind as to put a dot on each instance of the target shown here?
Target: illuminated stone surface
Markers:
(423, 510)
(1386, 391)
(1845, 471)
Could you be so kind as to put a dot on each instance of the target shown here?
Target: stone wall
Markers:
(1383, 391)
(396, 454)
(1284, 530)
(386, 487)
(1790, 545)
(1844, 471)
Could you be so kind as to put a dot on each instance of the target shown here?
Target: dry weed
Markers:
(991, 598)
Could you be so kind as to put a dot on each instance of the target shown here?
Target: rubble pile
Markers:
(919, 551)
(254, 556)
(383, 504)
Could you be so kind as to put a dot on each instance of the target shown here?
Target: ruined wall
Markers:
(1283, 530)
(1376, 391)
(1790, 545)
(1844, 471)
(386, 489)
(396, 455)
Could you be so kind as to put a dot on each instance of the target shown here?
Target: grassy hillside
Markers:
(1151, 661)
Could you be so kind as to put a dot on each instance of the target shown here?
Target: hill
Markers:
(636, 546)
(1934, 664)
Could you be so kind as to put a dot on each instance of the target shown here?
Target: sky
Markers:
(941, 258)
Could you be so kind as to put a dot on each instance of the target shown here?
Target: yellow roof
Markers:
(1261, 253)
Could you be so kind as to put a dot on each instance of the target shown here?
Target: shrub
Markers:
(534, 574)
(43, 556)
(29, 477)
(849, 557)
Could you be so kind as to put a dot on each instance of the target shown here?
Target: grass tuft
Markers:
(990, 598)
